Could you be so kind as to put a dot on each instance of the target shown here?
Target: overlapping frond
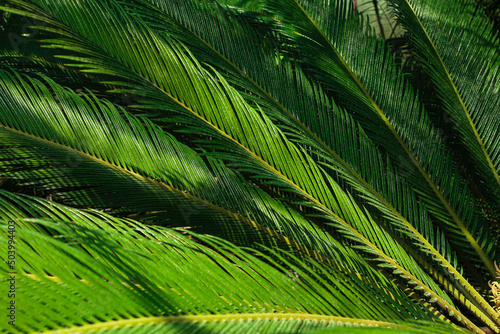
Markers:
(301, 98)
(82, 151)
(256, 152)
(255, 143)
(115, 273)
(342, 206)
(207, 38)
(329, 39)
(301, 107)
(464, 72)
(268, 150)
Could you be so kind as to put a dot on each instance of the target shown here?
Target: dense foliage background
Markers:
(275, 166)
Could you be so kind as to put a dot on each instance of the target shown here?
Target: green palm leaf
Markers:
(199, 36)
(140, 278)
(254, 138)
(142, 169)
(230, 48)
(298, 100)
(463, 73)
(69, 122)
(265, 153)
(319, 32)
(301, 106)
(331, 58)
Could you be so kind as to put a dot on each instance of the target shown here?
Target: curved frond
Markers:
(94, 156)
(289, 127)
(303, 112)
(255, 142)
(142, 278)
(330, 40)
(251, 137)
(464, 72)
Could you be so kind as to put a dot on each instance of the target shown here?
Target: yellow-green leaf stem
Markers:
(465, 109)
(314, 254)
(207, 318)
(487, 261)
(462, 281)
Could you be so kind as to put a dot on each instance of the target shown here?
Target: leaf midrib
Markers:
(461, 101)
(432, 294)
(211, 318)
(489, 310)
(313, 253)
(228, 137)
(350, 169)
(321, 142)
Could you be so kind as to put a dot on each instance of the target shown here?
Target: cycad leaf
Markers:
(146, 278)
(204, 100)
(82, 149)
(330, 40)
(268, 152)
(305, 114)
(464, 73)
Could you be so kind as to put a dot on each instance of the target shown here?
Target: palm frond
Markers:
(209, 36)
(254, 142)
(254, 138)
(265, 151)
(464, 72)
(82, 151)
(133, 152)
(320, 31)
(287, 96)
(298, 96)
(151, 278)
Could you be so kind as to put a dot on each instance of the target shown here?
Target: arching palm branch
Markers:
(298, 180)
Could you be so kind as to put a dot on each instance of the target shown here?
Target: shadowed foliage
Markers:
(274, 166)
